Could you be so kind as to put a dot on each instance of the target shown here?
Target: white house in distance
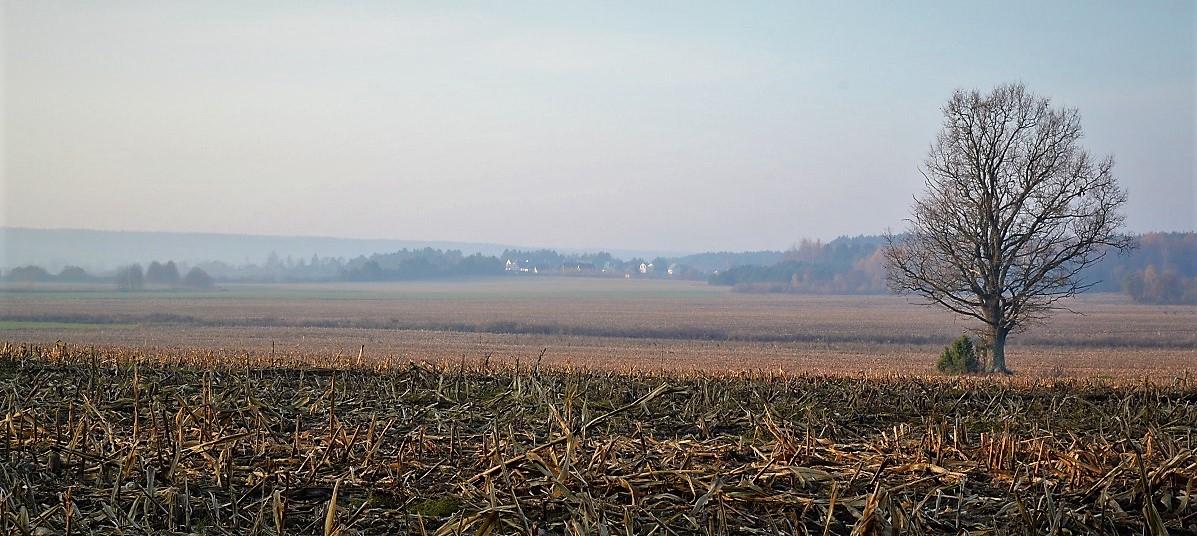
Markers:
(522, 267)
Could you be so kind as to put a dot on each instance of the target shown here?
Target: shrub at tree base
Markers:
(959, 358)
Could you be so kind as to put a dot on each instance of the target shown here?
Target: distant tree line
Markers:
(37, 274)
(130, 277)
(402, 265)
(427, 263)
(842, 266)
(1163, 269)
(159, 275)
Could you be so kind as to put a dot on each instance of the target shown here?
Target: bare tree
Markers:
(130, 277)
(1013, 211)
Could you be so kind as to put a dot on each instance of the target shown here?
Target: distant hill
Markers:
(106, 250)
(725, 260)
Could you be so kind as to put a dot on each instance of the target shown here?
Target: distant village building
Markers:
(523, 267)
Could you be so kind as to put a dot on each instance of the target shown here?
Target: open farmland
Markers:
(580, 406)
(598, 323)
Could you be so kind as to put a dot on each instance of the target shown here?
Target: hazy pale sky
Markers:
(671, 126)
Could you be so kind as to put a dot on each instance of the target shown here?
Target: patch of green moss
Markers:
(383, 501)
(437, 507)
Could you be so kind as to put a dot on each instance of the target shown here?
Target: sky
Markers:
(668, 126)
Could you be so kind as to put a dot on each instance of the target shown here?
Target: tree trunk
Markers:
(997, 350)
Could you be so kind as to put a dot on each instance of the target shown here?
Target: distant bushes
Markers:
(74, 274)
(960, 357)
(29, 274)
(37, 274)
(162, 274)
(198, 279)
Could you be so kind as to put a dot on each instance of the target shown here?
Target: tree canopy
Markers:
(1014, 210)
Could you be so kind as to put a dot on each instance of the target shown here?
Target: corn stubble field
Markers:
(524, 428)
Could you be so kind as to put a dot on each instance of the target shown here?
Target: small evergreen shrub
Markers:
(960, 357)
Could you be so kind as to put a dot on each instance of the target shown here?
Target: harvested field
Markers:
(596, 323)
(147, 442)
(576, 406)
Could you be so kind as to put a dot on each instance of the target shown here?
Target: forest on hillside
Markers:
(842, 266)
(1162, 268)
